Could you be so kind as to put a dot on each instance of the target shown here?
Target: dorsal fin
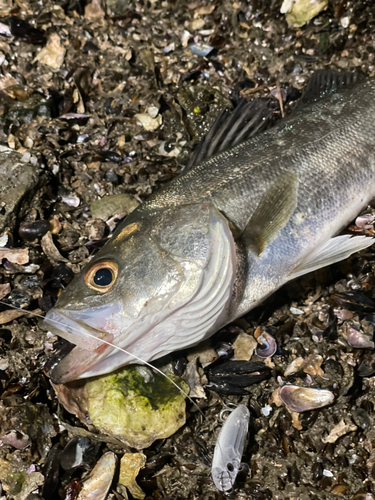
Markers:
(251, 117)
(233, 127)
(323, 83)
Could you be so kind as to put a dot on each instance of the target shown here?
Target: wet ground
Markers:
(110, 99)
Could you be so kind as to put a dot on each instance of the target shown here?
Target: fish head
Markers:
(162, 283)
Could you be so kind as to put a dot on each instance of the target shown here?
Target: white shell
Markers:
(96, 485)
(301, 399)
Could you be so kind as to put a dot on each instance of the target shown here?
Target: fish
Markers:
(260, 203)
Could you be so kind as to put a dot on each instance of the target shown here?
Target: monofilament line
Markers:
(115, 347)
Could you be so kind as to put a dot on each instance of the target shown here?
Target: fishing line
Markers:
(115, 347)
(135, 357)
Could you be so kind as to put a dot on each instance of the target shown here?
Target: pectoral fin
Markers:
(334, 250)
(273, 212)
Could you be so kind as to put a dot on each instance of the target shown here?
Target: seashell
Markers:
(72, 201)
(96, 485)
(362, 419)
(299, 399)
(267, 345)
(365, 221)
(201, 49)
(30, 231)
(363, 496)
(226, 462)
(224, 349)
(359, 340)
(339, 490)
(72, 456)
(354, 301)
(232, 377)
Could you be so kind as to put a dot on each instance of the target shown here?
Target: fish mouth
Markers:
(183, 320)
(91, 344)
(73, 329)
(75, 365)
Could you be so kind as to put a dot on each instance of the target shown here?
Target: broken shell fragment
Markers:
(299, 399)
(97, 483)
(229, 448)
(340, 430)
(244, 346)
(267, 345)
(365, 221)
(130, 466)
(359, 340)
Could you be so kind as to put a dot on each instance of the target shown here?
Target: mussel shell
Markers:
(30, 231)
(232, 377)
(354, 301)
(96, 485)
(299, 399)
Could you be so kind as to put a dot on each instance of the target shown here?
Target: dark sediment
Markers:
(71, 115)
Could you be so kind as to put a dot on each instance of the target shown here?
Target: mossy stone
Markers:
(136, 405)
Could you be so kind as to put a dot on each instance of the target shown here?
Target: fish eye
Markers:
(102, 276)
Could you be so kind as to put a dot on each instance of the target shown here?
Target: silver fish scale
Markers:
(330, 147)
(312, 142)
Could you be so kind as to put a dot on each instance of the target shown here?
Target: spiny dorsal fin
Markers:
(326, 82)
(273, 212)
(233, 127)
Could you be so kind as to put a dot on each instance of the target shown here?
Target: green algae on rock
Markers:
(19, 484)
(136, 405)
(133, 404)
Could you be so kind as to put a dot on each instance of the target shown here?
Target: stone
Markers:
(20, 175)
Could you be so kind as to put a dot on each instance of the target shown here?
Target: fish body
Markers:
(223, 236)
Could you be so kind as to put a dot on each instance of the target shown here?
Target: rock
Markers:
(113, 205)
(133, 404)
(21, 484)
(138, 407)
(299, 12)
(244, 346)
(20, 175)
